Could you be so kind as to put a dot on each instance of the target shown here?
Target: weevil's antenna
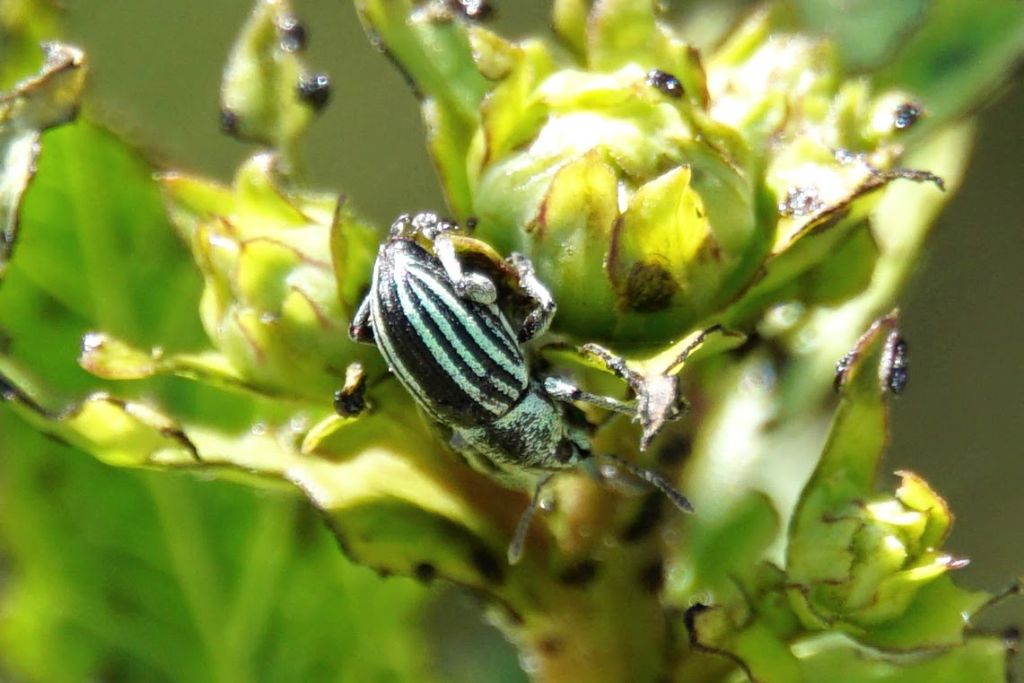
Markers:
(515, 548)
(655, 479)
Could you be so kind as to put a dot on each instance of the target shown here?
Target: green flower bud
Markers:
(624, 188)
(269, 94)
(657, 191)
(272, 303)
(858, 561)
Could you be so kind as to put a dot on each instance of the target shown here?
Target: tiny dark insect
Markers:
(448, 342)
(906, 115)
(228, 121)
(897, 372)
(665, 82)
(315, 89)
(293, 34)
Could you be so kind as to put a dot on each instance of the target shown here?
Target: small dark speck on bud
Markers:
(841, 367)
(471, 223)
(315, 89)
(472, 9)
(906, 115)
(293, 34)
(228, 121)
(896, 371)
(665, 82)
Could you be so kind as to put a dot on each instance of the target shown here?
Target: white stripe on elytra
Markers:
(380, 330)
(513, 365)
(467, 356)
(436, 349)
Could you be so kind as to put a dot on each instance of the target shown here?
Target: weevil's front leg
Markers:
(614, 363)
(539, 319)
(472, 286)
(360, 329)
(437, 231)
(515, 548)
(568, 392)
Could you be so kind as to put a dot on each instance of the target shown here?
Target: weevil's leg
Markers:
(653, 478)
(350, 400)
(692, 346)
(615, 364)
(515, 548)
(472, 286)
(563, 390)
(539, 319)
(360, 329)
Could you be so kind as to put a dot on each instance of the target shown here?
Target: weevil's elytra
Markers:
(457, 357)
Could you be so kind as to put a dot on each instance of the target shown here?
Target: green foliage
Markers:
(132, 576)
(735, 238)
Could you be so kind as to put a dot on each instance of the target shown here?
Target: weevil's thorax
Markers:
(532, 437)
(458, 358)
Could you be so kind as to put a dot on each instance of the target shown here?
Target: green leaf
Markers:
(621, 32)
(433, 49)
(166, 579)
(24, 25)
(958, 55)
(726, 548)
(434, 52)
(758, 651)
(570, 239)
(569, 20)
(865, 564)
(982, 659)
(131, 576)
(37, 103)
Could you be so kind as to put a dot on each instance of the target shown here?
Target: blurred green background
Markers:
(155, 69)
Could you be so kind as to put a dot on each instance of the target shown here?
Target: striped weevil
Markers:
(452, 346)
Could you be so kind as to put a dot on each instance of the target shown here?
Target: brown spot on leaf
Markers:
(649, 288)
(580, 574)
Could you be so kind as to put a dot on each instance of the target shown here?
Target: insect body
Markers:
(448, 342)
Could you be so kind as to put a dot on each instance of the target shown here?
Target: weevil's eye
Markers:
(565, 451)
